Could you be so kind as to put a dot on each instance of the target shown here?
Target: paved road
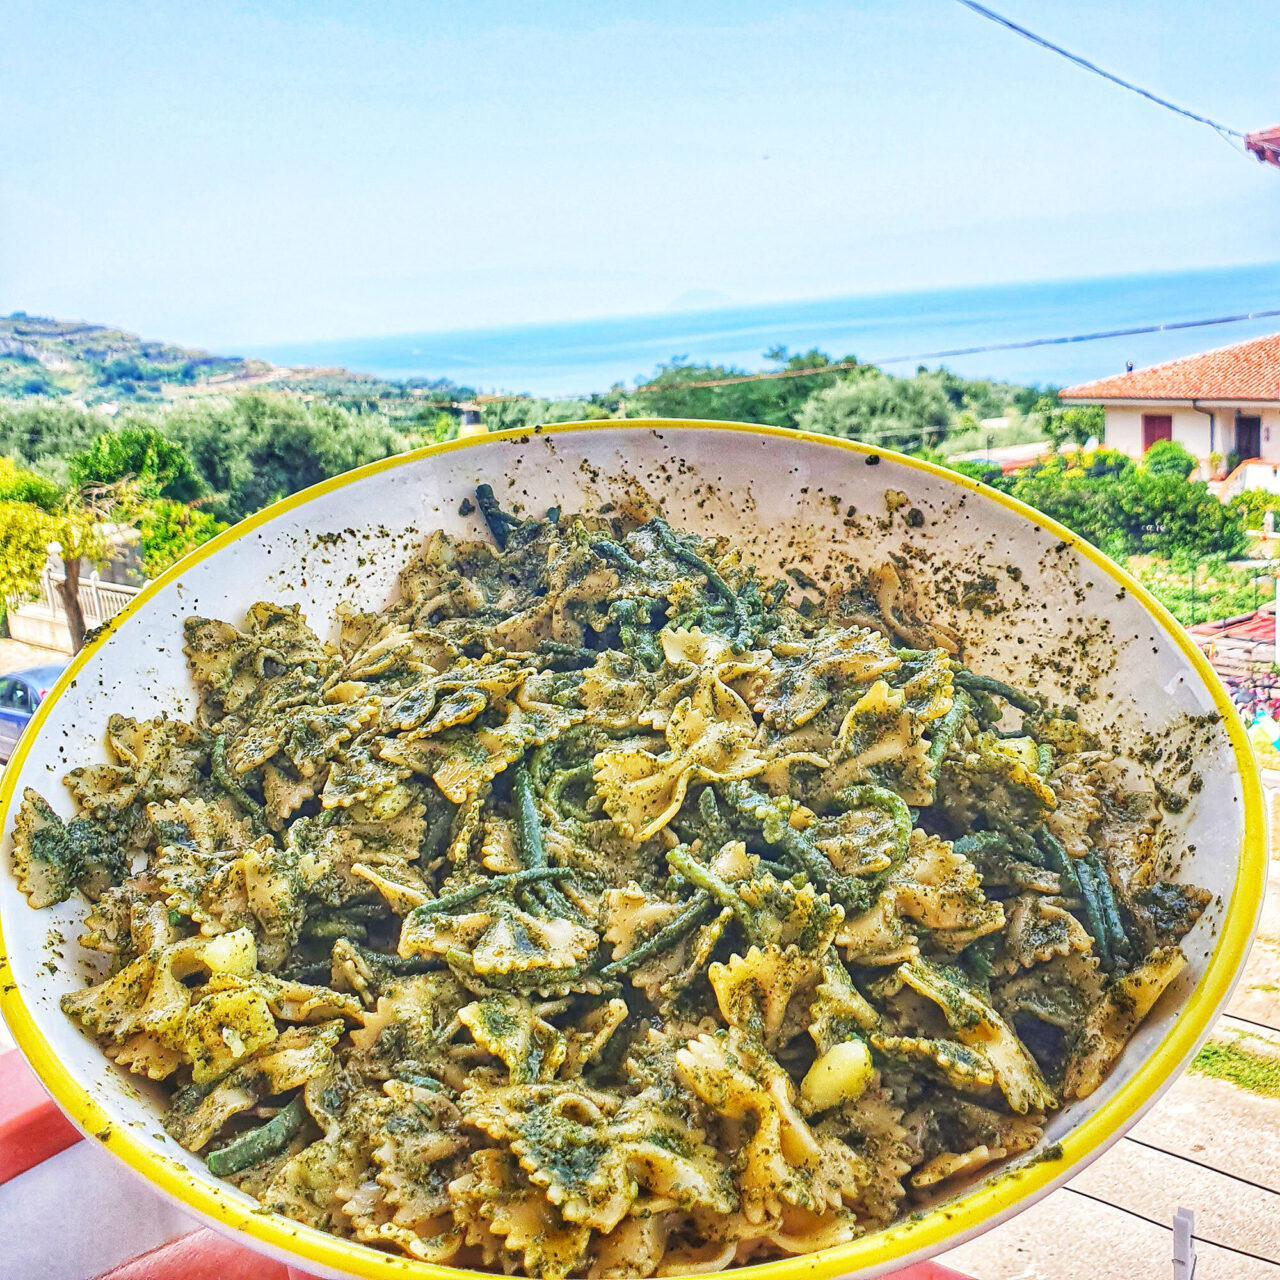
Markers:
(15, 656)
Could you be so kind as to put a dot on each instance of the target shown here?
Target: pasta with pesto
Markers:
(594, 911)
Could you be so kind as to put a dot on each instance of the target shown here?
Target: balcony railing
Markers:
(99, 601)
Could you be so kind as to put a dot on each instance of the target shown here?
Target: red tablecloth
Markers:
(33, 1137)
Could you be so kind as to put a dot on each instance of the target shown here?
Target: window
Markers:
(1156, 426)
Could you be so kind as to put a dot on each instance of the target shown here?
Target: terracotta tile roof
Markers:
(1246, 371)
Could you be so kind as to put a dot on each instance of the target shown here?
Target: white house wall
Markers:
(1191, 428)
(1123, 430)
(1270, 434)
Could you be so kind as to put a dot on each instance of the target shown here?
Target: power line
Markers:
(1167, 327)
(817, 370)
(983, 11)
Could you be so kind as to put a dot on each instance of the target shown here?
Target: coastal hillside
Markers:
(180, 443)
(100, 366)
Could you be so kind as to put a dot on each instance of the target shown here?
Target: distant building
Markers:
(1224, 403)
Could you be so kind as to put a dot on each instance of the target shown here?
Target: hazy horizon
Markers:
(247, 173)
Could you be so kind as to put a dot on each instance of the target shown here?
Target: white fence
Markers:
(43, 621)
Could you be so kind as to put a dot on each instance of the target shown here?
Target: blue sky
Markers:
(229, 174)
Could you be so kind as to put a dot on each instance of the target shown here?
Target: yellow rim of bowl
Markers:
(917, 1236)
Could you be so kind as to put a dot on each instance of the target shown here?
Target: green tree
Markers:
(160, 467)
(1066, 488)
(775, 402)
(1166, 515)
(1168, 458)
(899, 413)
(36, 515)
(1075, 425)
(1128, 510)
(169, 530)
(255, 448)
(43, 434)
(1194, 590)
(530, 411)
(1253, 504)
(987, 472)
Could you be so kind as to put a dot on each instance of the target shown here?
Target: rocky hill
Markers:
(97, 365)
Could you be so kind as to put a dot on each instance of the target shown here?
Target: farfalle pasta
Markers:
(594, 911)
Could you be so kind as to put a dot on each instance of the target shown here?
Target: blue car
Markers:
(21, 692)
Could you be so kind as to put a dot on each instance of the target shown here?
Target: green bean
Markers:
(981, 954)
(541, 760)
(682, 861)
(562, 778)
(314, 973)
(1109, 905)
(391, 965)
(1058, 859)
(974, 683)
(948, 727)
(1023, 846)
(869, 796)
(575, 652)
(717, 829)
(421, 1082)
(607, 550)
(679, 551)
(496, 884)
(500, 522)
(329, 928)
(980, 842)
(528, 824)
(695, 911)
(532, 849)
(634, 634)
(223, 777)
(361, 910)
(1091, 900)
(988, 713)
(258, 1144)
(528, 979)
(436, 837)
(779, 870)
(1075, 876)
(774, 825)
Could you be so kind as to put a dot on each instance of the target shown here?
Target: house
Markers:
(1224, 403)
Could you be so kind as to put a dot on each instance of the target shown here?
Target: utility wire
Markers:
(983, 11)
(817, 370)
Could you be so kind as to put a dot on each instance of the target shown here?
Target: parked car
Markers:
(21, 692)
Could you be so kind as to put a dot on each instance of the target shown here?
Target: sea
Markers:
(899, 331)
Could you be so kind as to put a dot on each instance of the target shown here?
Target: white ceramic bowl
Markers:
(1053, 615)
